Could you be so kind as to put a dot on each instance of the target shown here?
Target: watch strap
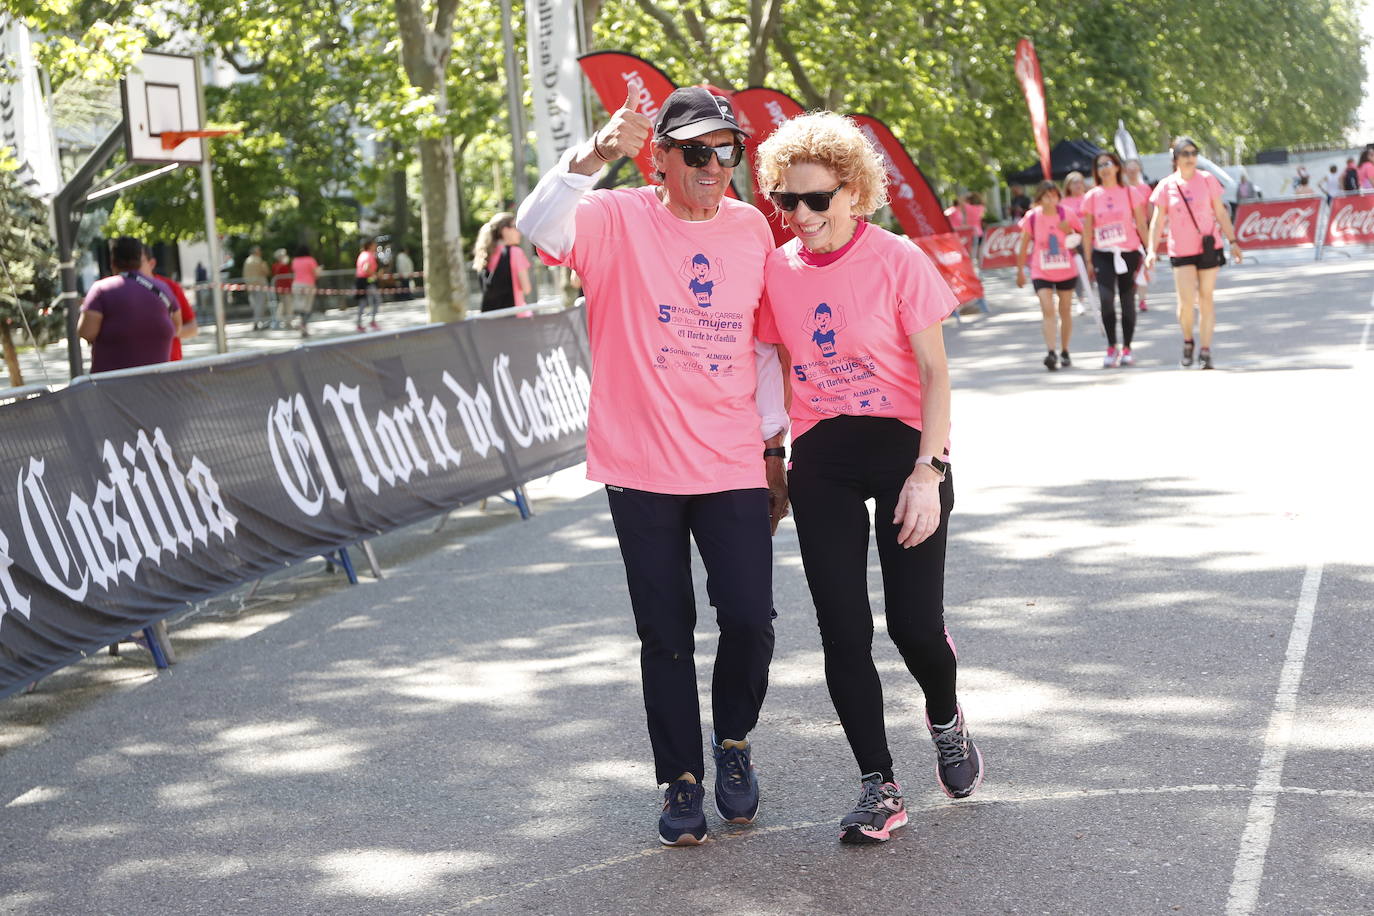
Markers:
(775, 452)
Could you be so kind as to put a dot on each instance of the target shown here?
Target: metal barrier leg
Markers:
(522, 502)
(371, 558)
(164, 642)
(347, 565)
(443, 520)
(155, 647)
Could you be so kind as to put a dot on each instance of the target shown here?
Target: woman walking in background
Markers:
(281, 287)
(1189, 200)
(502, 265)
(1113, 226)
(1133, 177)
(1049, 233)
(1075, 193)
(870, 420)
(968, 213)
(305, 271)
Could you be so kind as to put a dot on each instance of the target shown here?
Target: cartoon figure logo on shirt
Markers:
(702, 277)
(823, 324)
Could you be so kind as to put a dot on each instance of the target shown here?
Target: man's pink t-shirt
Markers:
(1050, 255)
(1366, 171)
(303, 270)
(1113, 213)
(846, 327)
(1178, 195)
(518, 262)
(366, 264)
(671, 307)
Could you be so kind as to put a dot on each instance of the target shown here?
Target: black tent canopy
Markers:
(1066, 156)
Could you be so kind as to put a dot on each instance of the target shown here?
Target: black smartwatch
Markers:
(941, 467)
(776, 452)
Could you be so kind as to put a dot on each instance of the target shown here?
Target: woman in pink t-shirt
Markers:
(305, 271)
(501, 264)
(1366, 170)
(1113, 226)
(1190, 202)
(856, 310)
(968, 213)
(1049, 233)
(1133, 177)
(1072, 199)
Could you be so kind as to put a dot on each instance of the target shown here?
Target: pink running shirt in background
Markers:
(1198, 193)
(846, 327)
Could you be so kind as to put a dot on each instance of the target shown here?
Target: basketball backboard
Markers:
(162, 95)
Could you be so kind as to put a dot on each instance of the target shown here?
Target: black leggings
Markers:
(836, 466)
(1108, 283)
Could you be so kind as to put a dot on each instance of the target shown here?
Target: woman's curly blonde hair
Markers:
(832, 141)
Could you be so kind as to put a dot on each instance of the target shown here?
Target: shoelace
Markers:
(680, 802)
(951, 745)
(732, 760)
(872, 798)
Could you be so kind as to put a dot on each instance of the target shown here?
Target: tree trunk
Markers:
(425, 55)
(400, 220)
(11, 356)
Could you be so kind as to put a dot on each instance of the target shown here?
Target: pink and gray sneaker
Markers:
(880, 811)
(1112, 359)
(959, 764)
(1126, 358)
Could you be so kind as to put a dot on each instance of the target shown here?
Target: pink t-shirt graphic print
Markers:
(672, 339)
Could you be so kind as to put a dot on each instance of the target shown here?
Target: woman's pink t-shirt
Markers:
(671, 307)
(1366, 171)
(1073, 204)
(1113, 213)
(1050, 255)
(846, 327)
(970, 215)
(518, 262)
(303, 270)
(1197, 193)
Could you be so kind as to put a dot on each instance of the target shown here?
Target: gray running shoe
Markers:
(880, 811)
(959, 764)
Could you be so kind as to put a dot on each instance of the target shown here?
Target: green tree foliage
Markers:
(28, 272)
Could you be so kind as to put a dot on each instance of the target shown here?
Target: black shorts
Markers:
(1038, 283)
(1192, 260)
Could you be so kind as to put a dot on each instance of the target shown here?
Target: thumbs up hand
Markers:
(627, 131)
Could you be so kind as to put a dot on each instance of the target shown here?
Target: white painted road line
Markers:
(1259, 820)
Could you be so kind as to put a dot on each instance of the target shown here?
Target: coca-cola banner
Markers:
(1351, 221)
(951, 256)
(1278, 223)
(914, 204)
(761, 111)
(999, 245)
(613, 75)
(129, 496)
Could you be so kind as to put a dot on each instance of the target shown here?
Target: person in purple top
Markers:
(128, 318)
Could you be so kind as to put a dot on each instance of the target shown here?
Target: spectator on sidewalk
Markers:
(405, 269)
(365, 289)
(501, 263)
(256, 274)
(305, 272)
(281, 288)
(1331, 184)
(1020, 204)
(128, 319)
(189, 328)
(202, 287)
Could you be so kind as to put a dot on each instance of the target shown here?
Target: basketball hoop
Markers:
(171, 139)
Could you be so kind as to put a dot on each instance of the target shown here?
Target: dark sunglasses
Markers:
(816, 201)
(1103, 163)
(697, 155)
(1186, 154)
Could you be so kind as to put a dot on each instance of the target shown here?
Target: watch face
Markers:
(941, 466)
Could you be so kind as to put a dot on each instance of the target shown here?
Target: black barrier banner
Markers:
(123, 498)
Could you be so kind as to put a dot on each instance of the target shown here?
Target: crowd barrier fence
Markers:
(129, 495)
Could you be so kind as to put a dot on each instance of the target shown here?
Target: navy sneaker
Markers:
(682, 822)
(737, 786)
(880, 811)
(959, 766)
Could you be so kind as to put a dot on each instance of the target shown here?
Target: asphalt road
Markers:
(1160, 582)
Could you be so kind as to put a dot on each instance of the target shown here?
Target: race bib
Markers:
(1109, 235)
(1050, 261)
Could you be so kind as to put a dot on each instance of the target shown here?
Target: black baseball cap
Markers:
(692, 111)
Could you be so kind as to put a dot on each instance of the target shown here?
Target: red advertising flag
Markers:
(613, 74)
(761, 111)
(999, 245)
(1033, 85)
(1278, 223)
(951, 257)
(1352, 220)
(914, 204)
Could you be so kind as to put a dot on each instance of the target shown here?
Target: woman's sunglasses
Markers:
(697, 155)
(1186, 154)
(1103, 163)
(816, 201)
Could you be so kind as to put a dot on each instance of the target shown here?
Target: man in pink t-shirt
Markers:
(365, 283)
(673, 276)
